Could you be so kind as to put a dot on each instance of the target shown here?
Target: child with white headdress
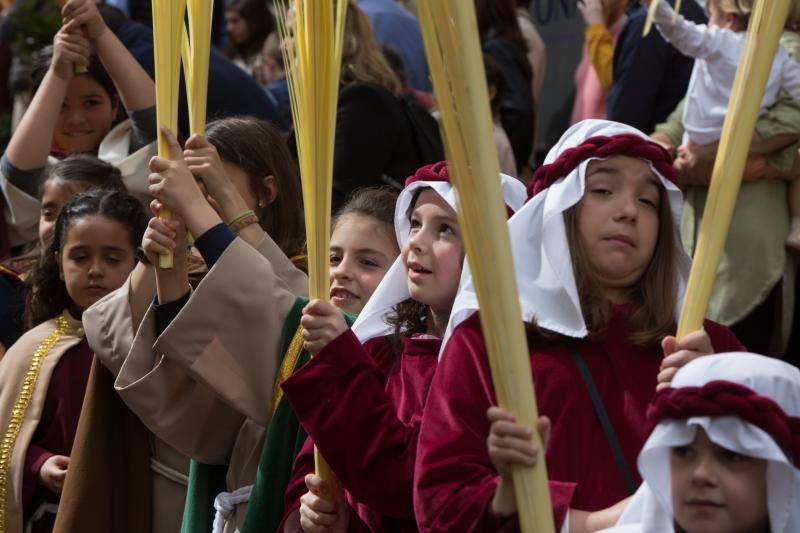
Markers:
(361, 397)
(723, 454)
(601, 273)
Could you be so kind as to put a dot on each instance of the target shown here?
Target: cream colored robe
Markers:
(13, 367)
(205, 385)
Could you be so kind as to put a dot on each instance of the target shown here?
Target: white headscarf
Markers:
(393, 288)
(651, 511)
(539, 245)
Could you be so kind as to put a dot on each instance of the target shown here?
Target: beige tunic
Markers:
(205, 385)
(13, 368)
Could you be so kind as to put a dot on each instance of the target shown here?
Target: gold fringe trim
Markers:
(287, 367)
(20, 407)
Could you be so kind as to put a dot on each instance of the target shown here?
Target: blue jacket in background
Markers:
(231, 91)
(395, 26)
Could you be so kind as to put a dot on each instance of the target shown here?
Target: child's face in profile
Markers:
(434, 253)
(715, 490)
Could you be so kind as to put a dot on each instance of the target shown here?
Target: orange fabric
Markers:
(600, 48)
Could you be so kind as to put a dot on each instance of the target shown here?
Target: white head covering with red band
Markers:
(538, 233)
(746, 403)
(393, 288)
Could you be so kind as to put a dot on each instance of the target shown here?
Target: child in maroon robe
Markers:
(723, 451)
(601, 274)
(46, 370)
(362, 404)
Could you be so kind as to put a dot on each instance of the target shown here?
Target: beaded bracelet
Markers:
(242, 221)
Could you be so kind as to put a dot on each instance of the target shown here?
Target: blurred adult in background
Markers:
(754, 290)
(650, 77)
(537, 52)
(231, 91)
(502, 40)
(248, 23)
(381, 138)
(395, 26)
(604, 20)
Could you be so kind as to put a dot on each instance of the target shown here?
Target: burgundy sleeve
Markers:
(303, 465)
(722, 338)
(341, 400)
(455, 480)
(34, 459)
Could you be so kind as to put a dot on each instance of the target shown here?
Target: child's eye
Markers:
(733, 457)
(683, 452)
(600, 190)
(415, 223)
(369, 263)
(113, 259)
(92, 103)
(49, 215)
(447, 229)
(648, 202)
(335, 259)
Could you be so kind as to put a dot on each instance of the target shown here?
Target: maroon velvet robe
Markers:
(55, 432)
(362, 406)
(455, 479)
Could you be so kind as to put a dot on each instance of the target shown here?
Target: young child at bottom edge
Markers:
(723, 452)
(375, 378)
(44, 373)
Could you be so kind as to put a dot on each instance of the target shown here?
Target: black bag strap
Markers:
(602, 416)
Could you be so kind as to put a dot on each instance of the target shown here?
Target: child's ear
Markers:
(269, 193)
(60, 266)
(492, 92)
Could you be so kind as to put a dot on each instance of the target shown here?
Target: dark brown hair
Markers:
(48, 292)
(653, 297)
(499, 18)
(94, 70)
(375, 202)
(256, 147)
(87, 169)
(260, 23)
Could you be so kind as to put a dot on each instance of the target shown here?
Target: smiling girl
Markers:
(363, 247)
(45, 371)
(600, 272)
(73, 113)
(374, 378)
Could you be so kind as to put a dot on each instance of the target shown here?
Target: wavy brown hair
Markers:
(653, 297)
(362, 58)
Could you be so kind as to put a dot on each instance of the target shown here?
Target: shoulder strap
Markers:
(602, 416)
